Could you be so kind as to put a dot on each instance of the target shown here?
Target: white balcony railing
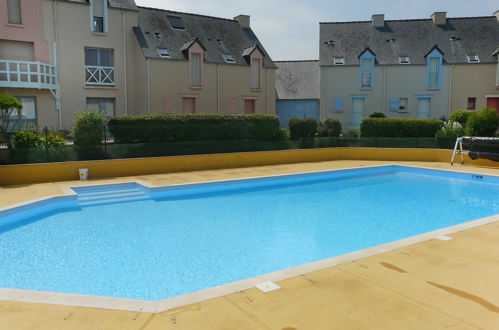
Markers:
(99, 75)
(23, 74)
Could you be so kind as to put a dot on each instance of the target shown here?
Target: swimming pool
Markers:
(130, 241)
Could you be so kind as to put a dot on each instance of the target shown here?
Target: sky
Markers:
(289, 29)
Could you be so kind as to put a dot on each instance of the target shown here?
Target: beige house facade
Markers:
(62, 57)
(422, 68)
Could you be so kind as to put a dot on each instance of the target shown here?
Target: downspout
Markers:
(450, 87)
(55, 51)
(325, 91)
(124, 63)
(267, 90)
(218, 88)
(384, 89)
(148, 87)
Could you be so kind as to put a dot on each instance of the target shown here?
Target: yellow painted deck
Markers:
(429, 285)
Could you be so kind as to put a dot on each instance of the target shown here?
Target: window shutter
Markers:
(338, 104)
(395, 104)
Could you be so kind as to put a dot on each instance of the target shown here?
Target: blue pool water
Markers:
(170, 241)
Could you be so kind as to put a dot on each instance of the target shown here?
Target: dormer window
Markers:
(339, 60)
(228, 58)
(256, 64)
(434, 60)
(195, 59)
(98, 16)
(404, 59)
(473, 59)
(163, 52)
(176, 22)
(366, 69)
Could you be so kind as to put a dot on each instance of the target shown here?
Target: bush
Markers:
(460, 116)
(194, 127)
(482, 123)
(377, 115)
(447, 135)
(351, 132)
(392, 127)
(26, 139)
(330, 127)
(53, 141)
(88, 128)
(302, 127)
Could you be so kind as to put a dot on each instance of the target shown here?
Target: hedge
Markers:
(482, 123)
(394, 127)
(330, 127)
(302, 127)
(193, 127)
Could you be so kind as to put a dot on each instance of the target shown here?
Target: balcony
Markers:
(99, 75)
(22, 74)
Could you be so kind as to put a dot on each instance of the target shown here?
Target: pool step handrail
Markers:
(459, 144)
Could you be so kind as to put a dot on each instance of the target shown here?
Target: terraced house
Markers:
(419, 68)
(61, 57)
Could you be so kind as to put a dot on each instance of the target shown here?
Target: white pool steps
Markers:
(111, 196)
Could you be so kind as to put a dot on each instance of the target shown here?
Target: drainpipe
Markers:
(384, 89)
(55, 55)
(266, 90)
(148, 87)
(124, 63)
(450, 88)
(218, 88)
(325, 91)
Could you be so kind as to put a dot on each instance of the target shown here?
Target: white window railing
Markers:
(24, 74)
(99, 75)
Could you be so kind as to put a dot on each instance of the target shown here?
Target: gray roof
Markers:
(119, 4)
(413, 38)
(218, 35)
(297, 80)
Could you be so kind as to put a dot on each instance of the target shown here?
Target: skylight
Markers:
(176, 22)
(163, 52)
(339, 60)
(228, 58)
(473, 59)
(404, 59)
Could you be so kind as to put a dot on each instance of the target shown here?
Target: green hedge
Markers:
(482, 123)
(460, 116)
(193, 127)
(330, 127)
(302, 127)
(393, 127)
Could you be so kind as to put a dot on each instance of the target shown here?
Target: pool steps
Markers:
(112, 195)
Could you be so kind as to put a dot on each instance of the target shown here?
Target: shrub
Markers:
(351, 132)
(53, 141)
(460, 116)
(88, 128)
(194, 127)
(447, 135)
(482, 123)
(392, 127)
(377, 115)
(330, 127)
(26, 139)
(302, 127)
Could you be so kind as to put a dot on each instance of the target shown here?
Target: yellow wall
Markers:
(29, 173)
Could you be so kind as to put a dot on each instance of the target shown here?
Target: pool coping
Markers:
(125, 304)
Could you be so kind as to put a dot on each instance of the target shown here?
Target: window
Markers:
(98, 15)
(404, 60)
(14, 12)
(188, 105)
(228, 58)
(104, 105)
(394, 104)
(338, 104)
(366, 70)
(176, 22)
(22, 118)
(339, 61)
(434, 69)
(99, 66)
(249, 106)
(403, 104)
(163, 52)
(473, 59)
(471, 103)
(195, 59)
(255, 73)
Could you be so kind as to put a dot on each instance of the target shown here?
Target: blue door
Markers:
(287, 109)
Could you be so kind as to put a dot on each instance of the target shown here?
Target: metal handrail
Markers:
(26, 74)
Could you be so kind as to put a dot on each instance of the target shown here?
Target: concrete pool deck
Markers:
(432, 284)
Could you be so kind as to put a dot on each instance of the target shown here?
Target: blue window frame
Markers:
(338, 104)
(394, 104)
(366, 69)
(434, 61)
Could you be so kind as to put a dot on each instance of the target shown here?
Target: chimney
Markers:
(496, 14)
(439, 18)
(378, 20)
(244, 20)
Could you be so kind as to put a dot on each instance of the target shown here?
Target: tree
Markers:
(9, 108)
